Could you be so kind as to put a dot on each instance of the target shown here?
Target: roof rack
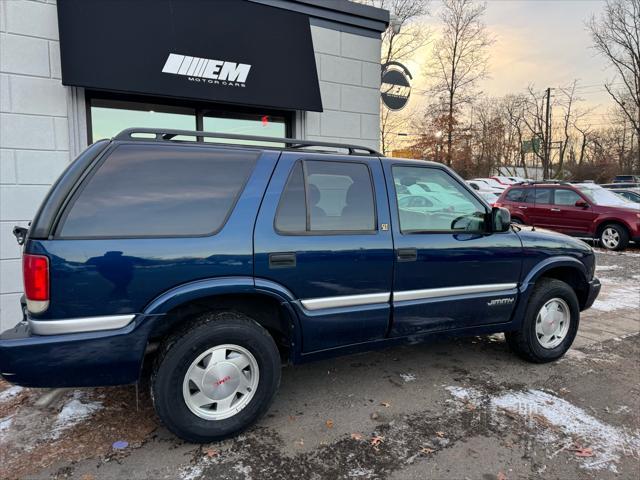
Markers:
(161, 135)
(546, 182)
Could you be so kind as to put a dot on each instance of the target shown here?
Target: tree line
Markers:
(538, 133)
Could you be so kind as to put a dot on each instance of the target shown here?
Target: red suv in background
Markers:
(581, 210)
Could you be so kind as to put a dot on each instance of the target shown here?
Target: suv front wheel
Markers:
(614, 237)
(216, 377)
(550, 323)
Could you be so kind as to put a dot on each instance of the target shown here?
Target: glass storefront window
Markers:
(263, 126)
(108, 117)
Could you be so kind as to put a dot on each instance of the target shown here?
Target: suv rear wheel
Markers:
(216, 377)
(614, 237)
(550, 323)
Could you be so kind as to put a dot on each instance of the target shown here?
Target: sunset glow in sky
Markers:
(540, 42)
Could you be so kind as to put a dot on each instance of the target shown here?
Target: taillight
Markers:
(35, 271)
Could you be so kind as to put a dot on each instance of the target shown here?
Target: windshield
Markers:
(601, 196)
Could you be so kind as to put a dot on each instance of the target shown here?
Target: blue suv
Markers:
(220, 262)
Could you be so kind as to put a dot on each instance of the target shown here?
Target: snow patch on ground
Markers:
(192, 472)
(10, 392)
(408, 377)
(5, 423)
(619, 294)
(74, 411)
(605, 268)
(609, 443)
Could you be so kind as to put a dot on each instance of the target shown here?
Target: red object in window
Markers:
(35, 270)
(265, 120)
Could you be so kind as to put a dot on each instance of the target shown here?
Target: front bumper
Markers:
(87, 359)
(592, 293)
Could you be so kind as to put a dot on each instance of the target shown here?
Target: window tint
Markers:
(543, 195)
(327, 196)
(516, 195)
(143, 190)
(566, 197)
(436, 202)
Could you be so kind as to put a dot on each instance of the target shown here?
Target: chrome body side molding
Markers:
(78, 325)
(426, 293)
(345, 301)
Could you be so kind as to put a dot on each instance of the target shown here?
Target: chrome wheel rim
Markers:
(552, 323)
(220, 382)
(610, 238)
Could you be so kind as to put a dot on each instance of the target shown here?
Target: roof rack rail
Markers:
(161, 135)
(546, 182)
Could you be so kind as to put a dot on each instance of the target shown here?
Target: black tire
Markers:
(517, 221)
(623, 236)
(182, 348)
(524, 342)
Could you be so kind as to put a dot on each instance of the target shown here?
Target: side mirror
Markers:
(500, 219)
(581, 204)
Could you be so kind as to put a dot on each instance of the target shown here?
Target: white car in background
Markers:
(506, 181)
(487, 184)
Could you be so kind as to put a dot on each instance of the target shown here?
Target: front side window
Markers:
(566, 197)
(436, 202)
(322, 196)
(143, 190)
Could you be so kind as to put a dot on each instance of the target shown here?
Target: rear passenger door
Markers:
(322, 233)
(540, 212)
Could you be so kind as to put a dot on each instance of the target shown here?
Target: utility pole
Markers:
(547, 135)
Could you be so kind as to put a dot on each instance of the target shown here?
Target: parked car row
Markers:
(584, 210)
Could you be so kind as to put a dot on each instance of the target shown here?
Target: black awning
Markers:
(226, 51)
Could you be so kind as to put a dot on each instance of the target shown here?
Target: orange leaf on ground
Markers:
(356, 436)
(329, 423)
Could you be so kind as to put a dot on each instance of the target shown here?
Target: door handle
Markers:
(407, 254)
(522, 208)
(282, 260)
(555, 210)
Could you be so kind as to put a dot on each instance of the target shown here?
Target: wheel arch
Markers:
(567, 269)
(267, 303)
(608, 221)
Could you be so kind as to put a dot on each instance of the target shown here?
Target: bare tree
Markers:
(398, 44)
(460, 57)
(616, 36)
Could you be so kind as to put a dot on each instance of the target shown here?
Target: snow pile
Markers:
(10, 392)
(5, 423)
(609, 443)
(619, 294)
(73, 412)
(408, 377)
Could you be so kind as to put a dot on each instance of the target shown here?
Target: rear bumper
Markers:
(592, 293)
(109, 357)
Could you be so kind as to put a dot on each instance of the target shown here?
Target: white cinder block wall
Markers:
(349, 73)
(35, 111)
(34, 134)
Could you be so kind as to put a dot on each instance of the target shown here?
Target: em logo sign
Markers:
(395, 88)
(207, 70)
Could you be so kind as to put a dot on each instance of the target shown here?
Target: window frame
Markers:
(483, 203)
(80, 186)
(310, 233)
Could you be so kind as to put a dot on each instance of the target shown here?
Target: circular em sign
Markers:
(395, 88)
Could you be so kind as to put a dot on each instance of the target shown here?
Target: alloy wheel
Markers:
(220, 382)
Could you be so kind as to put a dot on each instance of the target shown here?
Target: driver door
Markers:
(450, 272)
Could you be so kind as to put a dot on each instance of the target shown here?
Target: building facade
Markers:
(308, 69)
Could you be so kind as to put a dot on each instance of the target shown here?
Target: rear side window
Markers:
(143, 190)
(327, 197)
(543, 195)
(516, 195)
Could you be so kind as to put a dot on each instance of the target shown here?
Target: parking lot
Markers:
(455, 409)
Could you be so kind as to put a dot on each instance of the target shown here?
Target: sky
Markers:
(544, 43)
